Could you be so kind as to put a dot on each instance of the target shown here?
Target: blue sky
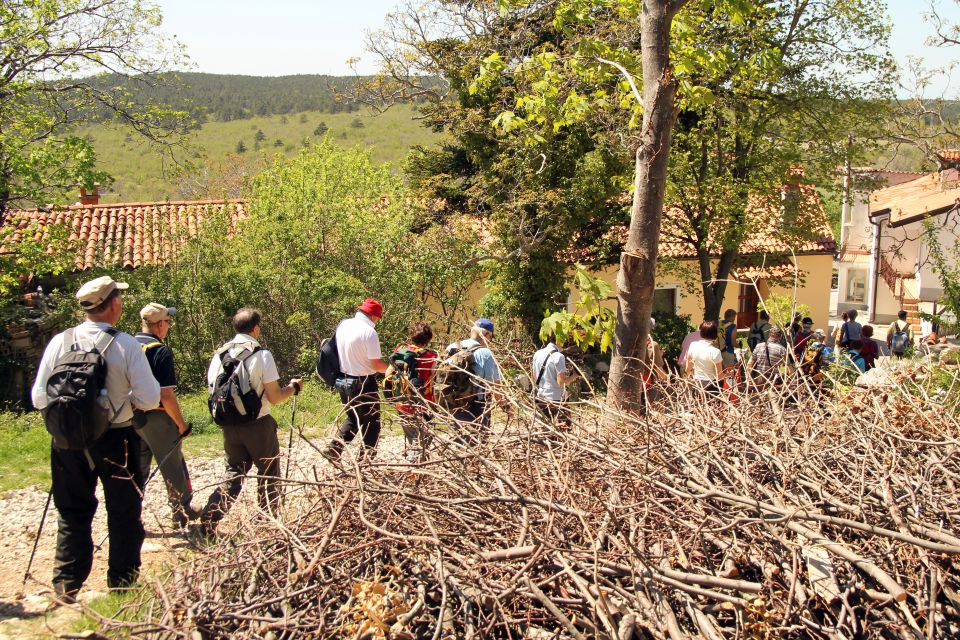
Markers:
(281, 37)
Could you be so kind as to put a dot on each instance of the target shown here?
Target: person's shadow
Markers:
(10, 609)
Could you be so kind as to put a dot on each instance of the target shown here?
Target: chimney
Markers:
(90, 199)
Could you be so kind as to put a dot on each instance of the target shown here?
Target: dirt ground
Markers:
(29, 612)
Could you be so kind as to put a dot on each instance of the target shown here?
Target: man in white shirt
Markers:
(252, 443)
(361, 359)
(550, 376)
(114, 459)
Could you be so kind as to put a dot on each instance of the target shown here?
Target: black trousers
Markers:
(362, 412)
(116, 464)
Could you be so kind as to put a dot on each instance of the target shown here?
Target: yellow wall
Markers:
(814, 291)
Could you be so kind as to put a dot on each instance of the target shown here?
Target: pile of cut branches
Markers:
(777, 516)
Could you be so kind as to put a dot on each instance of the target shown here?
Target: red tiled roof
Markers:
(930, 194)
(128, 235)
(765, 236)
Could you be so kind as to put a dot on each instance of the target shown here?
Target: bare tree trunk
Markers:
(637, 276)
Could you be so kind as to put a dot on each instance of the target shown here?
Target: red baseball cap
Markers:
(372, 308)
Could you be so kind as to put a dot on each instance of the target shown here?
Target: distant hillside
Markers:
(209, 96)
(140, 174)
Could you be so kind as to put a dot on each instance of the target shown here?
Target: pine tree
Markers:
(241, 148)
(321, 129)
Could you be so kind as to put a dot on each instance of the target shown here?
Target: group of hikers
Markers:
(709, 355)
(109, 401)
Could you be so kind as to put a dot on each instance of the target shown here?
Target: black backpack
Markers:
(328, 362)
(756, 335)
(234, 401)
(75, 415)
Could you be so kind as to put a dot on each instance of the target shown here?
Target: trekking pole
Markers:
(160, 463)
(36, 540)
(293, 425)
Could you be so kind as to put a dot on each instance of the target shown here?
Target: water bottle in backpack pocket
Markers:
(78, 410)
(234, 400)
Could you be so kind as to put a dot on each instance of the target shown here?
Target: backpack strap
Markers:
(69, 339)
(543, 367)
(150, 345)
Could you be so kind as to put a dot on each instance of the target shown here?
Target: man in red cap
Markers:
(360, 361)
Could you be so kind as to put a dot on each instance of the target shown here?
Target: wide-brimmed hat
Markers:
(372, 308)
(93, 293)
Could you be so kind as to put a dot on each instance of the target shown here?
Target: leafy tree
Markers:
(761, 115)
(283, 120)
(46, 47)
(326, 229)
(321, 129)
(259, 136)
(303, 118)
(357, 123)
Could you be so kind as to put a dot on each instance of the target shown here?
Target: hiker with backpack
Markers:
(759, 331)
(900, 335)
(854, 355)
(464, 380)
(838, 330)
(870, 349)
(409, 383)
(360, 360)
(801, 338)
(89, 381)
(728, 337)
(764, 366)
(550, 375)
(243, 383)
(850, 330)
(163, 428)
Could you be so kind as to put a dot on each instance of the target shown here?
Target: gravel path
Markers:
(22, 509)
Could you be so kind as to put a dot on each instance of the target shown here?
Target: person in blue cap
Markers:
(478, 407)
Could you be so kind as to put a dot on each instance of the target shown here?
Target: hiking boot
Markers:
(333, 452)
(191, 513)
(64, 594)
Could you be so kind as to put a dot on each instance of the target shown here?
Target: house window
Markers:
(856, 285)
(665, 300)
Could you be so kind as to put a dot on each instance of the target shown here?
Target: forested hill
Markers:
(211, 96)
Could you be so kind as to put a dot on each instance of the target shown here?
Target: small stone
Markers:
(951, 355)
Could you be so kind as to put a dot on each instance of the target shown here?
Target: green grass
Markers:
(139, 172)
(25, 443)
(24, 451)
(128, 606)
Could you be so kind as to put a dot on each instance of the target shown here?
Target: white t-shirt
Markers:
(552, 362)
(130, 382)
(357, 345)
(705, 357)
(261, 366)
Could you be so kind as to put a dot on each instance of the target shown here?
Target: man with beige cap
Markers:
(114, 458)
(164, 427)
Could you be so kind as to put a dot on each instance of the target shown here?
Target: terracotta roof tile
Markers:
(765, 236)
(128, 235)
(930, 194)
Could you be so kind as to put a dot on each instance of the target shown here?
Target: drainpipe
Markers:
(874, 268)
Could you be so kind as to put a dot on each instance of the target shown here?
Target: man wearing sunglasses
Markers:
(164, 428)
